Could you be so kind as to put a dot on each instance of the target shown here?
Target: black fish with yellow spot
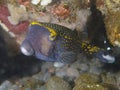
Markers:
(52, 42)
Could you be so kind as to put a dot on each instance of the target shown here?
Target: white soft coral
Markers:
(45, 2)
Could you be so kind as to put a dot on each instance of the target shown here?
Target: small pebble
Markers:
(46, 66)
(51, 70)
(95, 70)
(57, 83)
(61, 72)
(46, 76)
(84, 67)
(72, 72)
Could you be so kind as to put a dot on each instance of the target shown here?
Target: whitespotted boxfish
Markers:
(52, 42)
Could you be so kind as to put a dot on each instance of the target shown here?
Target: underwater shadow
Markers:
(113, 67)
(14, 67)
(96, 27)
(18, 67)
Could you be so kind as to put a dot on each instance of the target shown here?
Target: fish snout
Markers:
(26, 48)
(105, 57)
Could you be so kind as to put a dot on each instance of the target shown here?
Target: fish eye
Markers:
(105, 41)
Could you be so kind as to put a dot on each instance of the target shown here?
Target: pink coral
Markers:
(61, 11)
(17, 29)
(24, 2)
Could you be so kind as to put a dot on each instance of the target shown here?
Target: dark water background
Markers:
(16, 66)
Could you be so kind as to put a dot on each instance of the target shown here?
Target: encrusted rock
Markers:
(87, 78)
(112, 23)
(57, 83)
(81, 19)
(72, 72)
(18, 14)
(113, 5)
(29, 83)
(109, 79)
(91, 82)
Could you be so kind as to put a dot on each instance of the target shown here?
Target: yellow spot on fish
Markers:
(94, 49)
(53, 34)
(65, 37)
(36, 23)
(89, 49)
(84, 45)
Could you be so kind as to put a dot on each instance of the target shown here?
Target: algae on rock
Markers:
(57, 83)
(91, 82)
(112, 23)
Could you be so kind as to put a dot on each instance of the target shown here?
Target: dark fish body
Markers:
(52, 42)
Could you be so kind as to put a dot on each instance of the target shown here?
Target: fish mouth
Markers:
(109, 58)
(26, 48)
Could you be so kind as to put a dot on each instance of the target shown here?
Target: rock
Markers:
(57, 83)
(109, 79)
(14, 87)
(88, 78)
(118, 80)
(112, 23)
(95, 66)
(90, 87)
(61, 72)
(87, 82)
(5, 85)
(91, 82)
(72, 72)
(84, 67)
(40, 17)
(29, 84)
(81, 19)
(18, 14)
(45, 67)
(42, 76)
(42, 88)
(8, 27)
(95, 70)
(75, 64)
(113, 5)
(46, 76)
